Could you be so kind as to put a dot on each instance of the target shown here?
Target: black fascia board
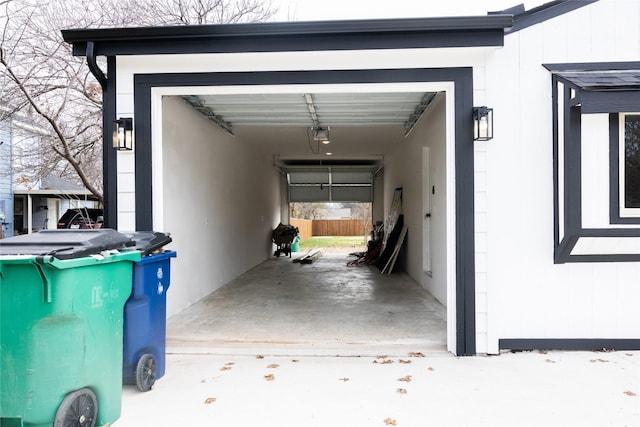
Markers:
(472, 31)
(545, 12)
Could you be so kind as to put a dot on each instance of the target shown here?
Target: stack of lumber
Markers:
(309, 257)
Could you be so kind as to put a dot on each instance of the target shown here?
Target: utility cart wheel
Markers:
(78, 409)
(146, 372)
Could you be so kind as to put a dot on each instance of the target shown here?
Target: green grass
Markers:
(333, 242)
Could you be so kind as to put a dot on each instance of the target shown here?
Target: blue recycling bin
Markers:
(145, 314)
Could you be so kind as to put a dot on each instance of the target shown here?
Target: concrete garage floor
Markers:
(323, 308)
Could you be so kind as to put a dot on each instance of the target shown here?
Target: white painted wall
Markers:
(527, 295)
(403, 169)
(221, 202)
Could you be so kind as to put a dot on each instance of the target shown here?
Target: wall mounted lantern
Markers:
(123, 134)
(482, 123)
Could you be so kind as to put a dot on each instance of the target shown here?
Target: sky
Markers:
(318, 10)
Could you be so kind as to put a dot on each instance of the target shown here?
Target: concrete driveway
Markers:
(289, 323)
(513, 389)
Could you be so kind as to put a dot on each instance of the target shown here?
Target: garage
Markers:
(229, 134)
(518, 228)
(271, 133)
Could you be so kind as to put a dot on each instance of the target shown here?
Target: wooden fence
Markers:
(305, 227)
(329, 227)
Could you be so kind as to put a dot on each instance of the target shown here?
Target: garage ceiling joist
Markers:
(349, 109)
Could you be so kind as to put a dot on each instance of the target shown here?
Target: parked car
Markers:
(82, 218)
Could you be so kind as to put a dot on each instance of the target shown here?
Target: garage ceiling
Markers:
(332, 109)
(363, 126)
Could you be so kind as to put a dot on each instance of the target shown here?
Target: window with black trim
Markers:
(629, 166)
(584, 89)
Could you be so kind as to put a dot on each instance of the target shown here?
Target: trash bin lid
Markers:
(149, 241)
(66, 243)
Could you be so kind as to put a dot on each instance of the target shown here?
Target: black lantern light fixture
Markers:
(123, 134)
(482, 123)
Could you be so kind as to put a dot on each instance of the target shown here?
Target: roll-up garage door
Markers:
(330, 185)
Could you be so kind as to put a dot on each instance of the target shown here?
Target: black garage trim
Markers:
(109, 155)
(461, 77)
(569, 344)
(275, 43)
(294, 36)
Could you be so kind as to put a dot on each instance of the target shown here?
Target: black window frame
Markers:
(577, 101)
(615, 130)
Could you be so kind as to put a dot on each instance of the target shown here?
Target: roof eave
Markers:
(293, 36)
(316, 28)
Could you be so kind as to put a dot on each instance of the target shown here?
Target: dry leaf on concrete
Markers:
(629, 393)
(386, 362)
(381, 356)
(259, 356)
(599, 360)
(416, 354)
(543, 351)
(295, 360)
(273, 366)
(402, 391)
(345, 379)
(210, 400)
(390, 422)
(270, 377)
(406, 379)
(230, 363)
(225, 368)
(404, 361)
(430, 369)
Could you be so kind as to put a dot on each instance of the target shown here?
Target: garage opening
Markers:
(235, 194)
(338, 227)
(254, 158)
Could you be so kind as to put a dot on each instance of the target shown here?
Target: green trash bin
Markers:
(61, 328)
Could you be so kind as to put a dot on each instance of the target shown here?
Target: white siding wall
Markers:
(221, 202)
(529, 296)
(520, 293)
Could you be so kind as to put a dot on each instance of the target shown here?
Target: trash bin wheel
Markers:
(78, 409)
(146, 372)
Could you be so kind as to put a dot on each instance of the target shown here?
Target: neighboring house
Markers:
(29, 204)
(530, 239)
(6, 178)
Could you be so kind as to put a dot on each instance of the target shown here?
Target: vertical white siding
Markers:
(529, 296)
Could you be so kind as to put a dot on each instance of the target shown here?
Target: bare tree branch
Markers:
(43, 82)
